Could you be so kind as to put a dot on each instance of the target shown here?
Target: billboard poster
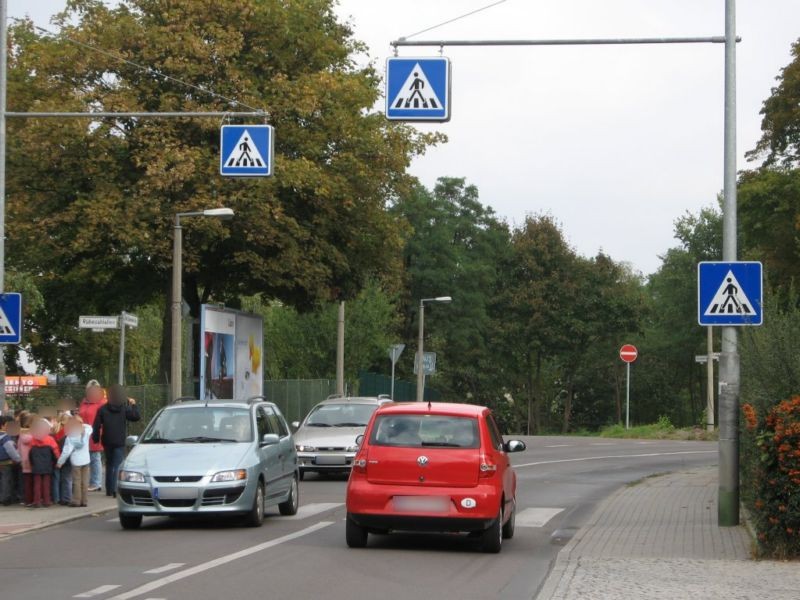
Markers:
(231, 354)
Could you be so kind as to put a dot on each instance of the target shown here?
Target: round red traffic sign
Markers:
(628, 353)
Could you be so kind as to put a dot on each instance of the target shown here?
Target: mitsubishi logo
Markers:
(177, 479)
(422, 461)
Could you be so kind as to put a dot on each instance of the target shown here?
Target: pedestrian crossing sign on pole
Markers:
(246, 150)
(418, 89)
(10, 318)
(730, 293)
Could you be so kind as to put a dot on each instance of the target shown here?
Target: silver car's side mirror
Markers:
(359, 440)
(295, 425)
(270, 439)
(131, 440)
(515, 446)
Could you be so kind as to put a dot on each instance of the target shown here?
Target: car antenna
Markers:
(429, 404)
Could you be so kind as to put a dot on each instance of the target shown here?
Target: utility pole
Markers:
(176, 370)
(3, 94)
(340, 350)
(420, 350)
(121, 374)
(710, 381)
(728, 501)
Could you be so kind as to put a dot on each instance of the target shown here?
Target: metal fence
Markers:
(374, 384)
(295, 397)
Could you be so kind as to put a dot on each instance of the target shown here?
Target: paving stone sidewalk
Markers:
(659, 539)
(18, 519)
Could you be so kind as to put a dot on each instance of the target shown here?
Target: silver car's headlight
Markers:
(302, 448)
(351, 449)
(236, 475)
(131, 476)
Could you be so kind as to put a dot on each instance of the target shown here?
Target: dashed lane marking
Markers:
(164, 569)
(96, 591)
(536, 517)
(222, 560)
(559, 446)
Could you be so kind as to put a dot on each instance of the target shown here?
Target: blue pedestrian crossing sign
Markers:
(729, 293)
(10, 318)
(246, 150)
(418, 89)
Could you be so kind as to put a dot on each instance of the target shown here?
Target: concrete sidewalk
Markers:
(659, 539)
(18, 519)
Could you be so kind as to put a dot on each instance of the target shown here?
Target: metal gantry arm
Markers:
(716, 39)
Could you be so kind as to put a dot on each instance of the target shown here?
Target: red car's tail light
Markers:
(360, 464)
(487, 469)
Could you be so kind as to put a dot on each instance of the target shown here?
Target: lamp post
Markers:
(177, 284)
(420, 343)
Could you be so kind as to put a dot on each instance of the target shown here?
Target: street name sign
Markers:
(730, 293)
(246, 150)
(98, 322)
(628, 353)
(10, 318)
(130, 320)
(418, 89)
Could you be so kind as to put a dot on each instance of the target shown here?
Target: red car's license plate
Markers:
(438, 504)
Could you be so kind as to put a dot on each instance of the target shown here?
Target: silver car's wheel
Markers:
(256, 515)
(292, 503)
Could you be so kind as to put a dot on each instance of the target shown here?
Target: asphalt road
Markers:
(561, 479)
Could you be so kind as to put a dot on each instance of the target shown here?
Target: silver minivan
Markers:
(217, 457)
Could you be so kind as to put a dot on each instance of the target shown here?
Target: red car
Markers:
(432, 467)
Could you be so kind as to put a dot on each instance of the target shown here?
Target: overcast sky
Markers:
(615, 142)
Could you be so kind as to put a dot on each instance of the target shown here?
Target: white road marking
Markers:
(536, 517)
(222, 560)
(309, 510)
(603, 444)
(96, 591)
(559, 446)
(164, 569)
(114, 520)
(567, 460)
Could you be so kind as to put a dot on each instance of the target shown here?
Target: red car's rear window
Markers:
(425, 431)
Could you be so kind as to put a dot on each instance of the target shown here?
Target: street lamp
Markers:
(177, 286)
(420, 363)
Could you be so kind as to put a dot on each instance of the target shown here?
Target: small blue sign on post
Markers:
(246, 150)
(418, 89)
(10, 318)
(730, 293)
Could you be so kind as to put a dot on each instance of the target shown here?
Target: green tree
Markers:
(93, 220)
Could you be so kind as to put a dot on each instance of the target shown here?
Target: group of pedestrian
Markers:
(44, 462)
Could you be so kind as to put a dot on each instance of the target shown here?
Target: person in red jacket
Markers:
(43, 456)
(95, 398)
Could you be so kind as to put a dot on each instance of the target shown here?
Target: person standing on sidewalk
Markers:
(43, 456)
(111, 428)
(76, 450)
(9, 460)
(90, 405)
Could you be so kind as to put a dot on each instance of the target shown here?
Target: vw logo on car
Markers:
(422, 461)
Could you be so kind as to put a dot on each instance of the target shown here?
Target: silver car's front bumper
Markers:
(154, 498)
(325, 461)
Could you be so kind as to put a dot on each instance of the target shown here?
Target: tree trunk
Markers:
(567, 406)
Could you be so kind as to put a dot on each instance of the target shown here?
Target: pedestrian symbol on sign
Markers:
(730, 299)
(245, 154)
(416, 92)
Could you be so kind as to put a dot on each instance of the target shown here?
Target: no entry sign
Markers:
(628, 353)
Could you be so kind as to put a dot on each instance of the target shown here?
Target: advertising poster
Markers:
(231, 354)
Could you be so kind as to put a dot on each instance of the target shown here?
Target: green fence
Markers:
(373, 384)
(295, 397)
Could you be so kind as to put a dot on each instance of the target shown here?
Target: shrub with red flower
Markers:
(771, 474)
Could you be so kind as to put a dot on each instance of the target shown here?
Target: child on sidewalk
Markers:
(76, 450)
(62, 478)
(25, 488)
(44, 453)
(9, 461)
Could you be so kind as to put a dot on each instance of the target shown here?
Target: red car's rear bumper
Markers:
(468, 509)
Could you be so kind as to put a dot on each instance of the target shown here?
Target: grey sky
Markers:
(615, 142)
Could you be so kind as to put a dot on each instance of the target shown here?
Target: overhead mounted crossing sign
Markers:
(418, 89)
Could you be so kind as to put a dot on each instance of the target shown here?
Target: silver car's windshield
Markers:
(201, 424)
(341, 415)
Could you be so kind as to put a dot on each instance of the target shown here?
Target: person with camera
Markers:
(111, 428)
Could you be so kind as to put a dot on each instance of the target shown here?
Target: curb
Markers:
(58, 521)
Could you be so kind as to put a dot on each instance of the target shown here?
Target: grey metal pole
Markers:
(133, 115)
(3, 83)
(121, 374)
(340, 351)
(710, 381)
(175, 346)
(728, 501)
(563, 42)
(420, 350)
(628, 395)
(391, 393)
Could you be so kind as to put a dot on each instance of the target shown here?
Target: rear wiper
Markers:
(318, 425)
(201, 439)
(442, 444)
(350, 425)
(158, 440)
